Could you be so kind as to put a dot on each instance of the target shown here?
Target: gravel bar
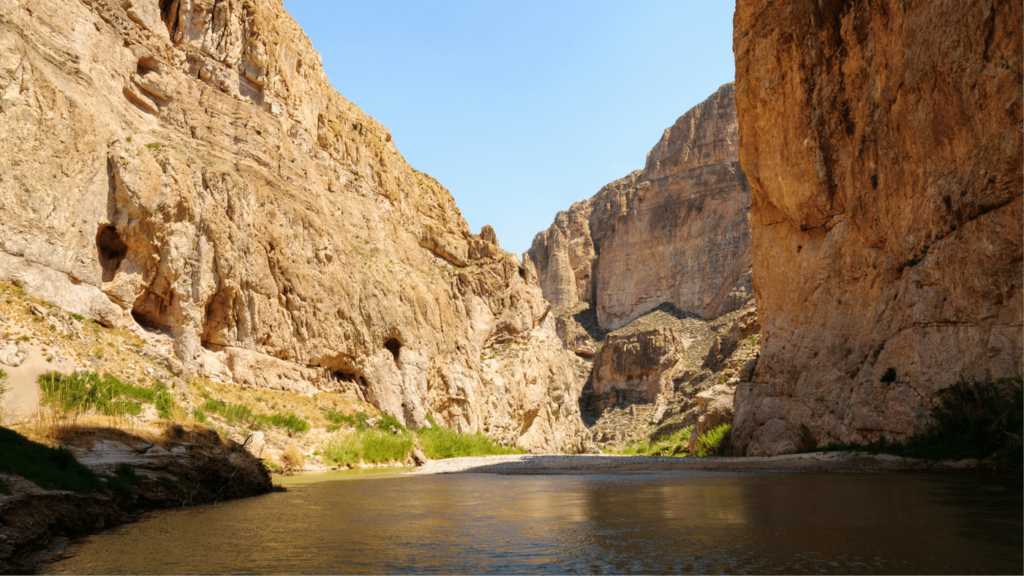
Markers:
(601, 464)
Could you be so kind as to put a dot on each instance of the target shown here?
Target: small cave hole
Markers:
(522, 273)
(342, 376)
(111, 250)
(395, 347)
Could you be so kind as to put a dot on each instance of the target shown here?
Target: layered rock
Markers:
(883, 142)
(187, 166)
(677, 231)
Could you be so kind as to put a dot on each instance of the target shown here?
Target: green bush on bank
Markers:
(676, 444)
(439, 443)
(369, 445)
(715, 442)
(972, 420)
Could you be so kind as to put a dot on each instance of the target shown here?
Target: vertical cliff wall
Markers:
(883, 142)
(186, 165)
(678, 231)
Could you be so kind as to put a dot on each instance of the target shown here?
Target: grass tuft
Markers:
(441, 443)
(84, 391)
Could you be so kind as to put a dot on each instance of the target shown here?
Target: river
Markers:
(659, 522)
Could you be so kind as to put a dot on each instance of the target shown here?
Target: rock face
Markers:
(687, 210)
(186, 165)
(883, 142)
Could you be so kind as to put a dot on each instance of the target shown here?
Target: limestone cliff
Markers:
(677, 231)
(185, 165)
(883, 142)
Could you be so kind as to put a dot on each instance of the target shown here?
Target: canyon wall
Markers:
(883, 143)
(186, 166)
(677, 231)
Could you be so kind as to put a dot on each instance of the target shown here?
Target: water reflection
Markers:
(651, 523)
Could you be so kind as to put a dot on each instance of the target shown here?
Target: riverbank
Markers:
(837, 462)
(124, 475)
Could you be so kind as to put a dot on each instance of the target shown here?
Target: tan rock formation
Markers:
(187, 165)
(883, 142)
(686, 211)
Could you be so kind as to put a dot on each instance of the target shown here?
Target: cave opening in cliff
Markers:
(111, 250)
(395, 347)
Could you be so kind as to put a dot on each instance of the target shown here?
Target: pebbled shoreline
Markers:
(831, 462)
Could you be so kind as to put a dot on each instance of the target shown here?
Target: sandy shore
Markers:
(837, 462)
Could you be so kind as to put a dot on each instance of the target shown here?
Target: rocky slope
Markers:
(666, 371)
(687, 211)
(186, 166)
(883, 142)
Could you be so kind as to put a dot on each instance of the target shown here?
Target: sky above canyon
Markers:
(523, 107)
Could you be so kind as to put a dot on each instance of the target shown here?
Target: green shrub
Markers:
(369, 445)
(199, 415)
(49, 468)
(715, 442)
(972, 420)
(439, 442)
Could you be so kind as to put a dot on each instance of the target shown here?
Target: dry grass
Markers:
(292, 457)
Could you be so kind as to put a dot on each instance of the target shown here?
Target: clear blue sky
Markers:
(522, 107)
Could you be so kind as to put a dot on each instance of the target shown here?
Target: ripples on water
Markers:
(668, 522)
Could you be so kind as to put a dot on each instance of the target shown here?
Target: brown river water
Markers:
(660, 522)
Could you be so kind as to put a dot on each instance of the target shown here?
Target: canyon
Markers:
(810, 256)
(835, 237)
